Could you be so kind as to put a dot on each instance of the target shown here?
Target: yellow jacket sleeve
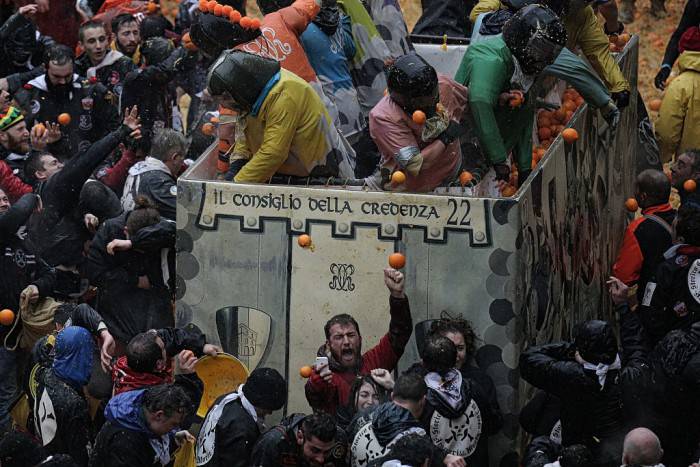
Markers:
(484, 6)
(276, 142)
(585, 31)
(669, 126)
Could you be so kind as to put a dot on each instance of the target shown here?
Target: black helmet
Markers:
(270, 6)
(413, 83)
(241, 76)
(156, 49)
(214, 34)
(535, 36)
(596, 342)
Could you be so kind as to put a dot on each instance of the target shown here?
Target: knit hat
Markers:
(690, 40)
(266, 389)
(10, 118)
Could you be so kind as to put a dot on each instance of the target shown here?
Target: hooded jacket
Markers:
(677, 127)
(151, 178)
(91, 107)
(278, 446)
(12, 185)
(125, 439)
(111, 71)
(386, 354)
(60, 410)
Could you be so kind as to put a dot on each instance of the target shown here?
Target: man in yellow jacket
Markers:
(678, 126)
(283, 126)
(584, 31)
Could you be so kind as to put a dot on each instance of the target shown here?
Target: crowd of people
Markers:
(104, 104)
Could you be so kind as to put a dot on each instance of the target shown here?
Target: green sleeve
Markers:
(570, 68)
(522, 152)
(485, 84)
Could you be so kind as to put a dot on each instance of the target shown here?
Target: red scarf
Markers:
(126, 379)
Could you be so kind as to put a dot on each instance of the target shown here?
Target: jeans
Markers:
(8, 385)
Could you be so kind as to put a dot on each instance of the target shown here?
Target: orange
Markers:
(305, 371)
(560, 114)
(690, 185)
(235, 16)
(570, 135)
(544, 133)
(623, 39)
(219, 10)
(304, 240)
(208, 129)
(187, 42)
(151, 7)
(569, 114)
(516, 99)
(214, 120)
(40, 129)
(211, 4)
(570, 105)
(543, 121)
(203, 6)
(579, 101)
(632, 205)
(508, 191)
(398, 177)
(227, 10)
(223, 145)
(397, 260)
(655, 104)
(255, 23)
(245, 22)
(7, 317)
(418, 117)
(465, 177)
(64, 119)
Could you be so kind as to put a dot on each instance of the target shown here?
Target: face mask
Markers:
(327, 19)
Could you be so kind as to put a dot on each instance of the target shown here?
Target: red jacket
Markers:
(13, 187)
(386, 354)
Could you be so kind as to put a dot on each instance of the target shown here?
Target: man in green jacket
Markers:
(531, 40)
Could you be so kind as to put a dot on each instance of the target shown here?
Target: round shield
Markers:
(221, 375)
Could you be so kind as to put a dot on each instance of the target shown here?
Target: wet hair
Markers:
(169, 398)
(410, 387)
(34, 164)
(576, 455)
(167, 142)
(63, 313)
(58, 54)
(59, 460)
(120, 20)
(355, 391)
(143, 352)
(655, 184)
(439, 354)
(343, 319)
(320, 426)
(688, 223)
(445, 325)
(92, 24)
(153, 26)
(412, 449)
(144, 214)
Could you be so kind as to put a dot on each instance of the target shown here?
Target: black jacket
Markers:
(592, 415)
(152, 179)
(540, 452)
(278, 446)
(61, 195)
(15, 32)
(111, 73)
(67, 410)
(20, 266)
(668, 303)
(91, 107)
(235, 435)
(127, 309)
(689, 18)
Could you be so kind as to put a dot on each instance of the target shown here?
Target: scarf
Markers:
(126, 379)
(601, 369)
(328, 18)
(447, 386)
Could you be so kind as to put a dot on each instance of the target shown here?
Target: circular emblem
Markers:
(365, 447)
(83, 146)
(20, 258)
(34, 106)
(460, 435)
(694, 280)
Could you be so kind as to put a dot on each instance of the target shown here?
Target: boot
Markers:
(658, 10)
(625, 11)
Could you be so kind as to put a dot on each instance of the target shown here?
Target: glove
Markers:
(522, 176)
(453, 131)
(622, 99)
(502, 171)
(662, 76)
(611, 114)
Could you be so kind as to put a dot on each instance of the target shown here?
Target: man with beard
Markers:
(686, 167)
(59, 91)
(98, 62)
(126, 36)
(15, 141)
(329, 386)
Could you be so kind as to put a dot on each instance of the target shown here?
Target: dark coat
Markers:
(235, 436)
(111, 75)
(449, 17)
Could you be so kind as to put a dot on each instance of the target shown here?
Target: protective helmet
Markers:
(413, 84)
(270, 6)
(241, 76)
(596, 342)
(535, 36)
(214, 34)
(156, 49)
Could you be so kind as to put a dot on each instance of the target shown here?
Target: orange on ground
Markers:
(305, 371)
(632, 205)
(418, 117)
(465, 177)
(570, 135)
(64, 119)
(6, 317)
(304, 240)
(397, 260)
(508, 191)
(398, 177)
(690, 185)
(655, 104)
